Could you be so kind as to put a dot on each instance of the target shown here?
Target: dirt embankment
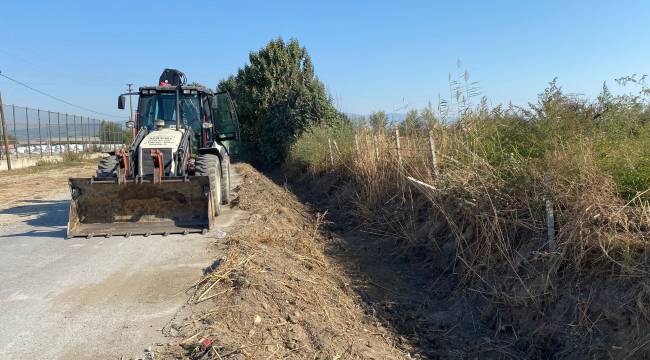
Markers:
(278, 293)
(421, 289)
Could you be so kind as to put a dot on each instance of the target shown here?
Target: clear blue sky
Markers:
(371, 55)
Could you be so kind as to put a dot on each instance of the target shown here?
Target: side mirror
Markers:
(120, 102)
(213, 103)
(130, 124)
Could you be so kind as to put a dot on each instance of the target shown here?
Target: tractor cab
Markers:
(175, 175)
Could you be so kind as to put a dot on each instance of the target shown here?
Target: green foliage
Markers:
(277, 97)
(513, 141)
(378, 120)
(309, 149)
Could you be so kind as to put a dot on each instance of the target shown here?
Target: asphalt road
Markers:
(90, 298)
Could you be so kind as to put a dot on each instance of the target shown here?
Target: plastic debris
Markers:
(219, 234)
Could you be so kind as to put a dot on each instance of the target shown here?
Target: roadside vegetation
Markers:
(481, 214)
(510, 232)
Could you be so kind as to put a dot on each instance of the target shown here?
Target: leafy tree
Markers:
(428, 117)
(378, 120)
(411, 123)
(277, 97)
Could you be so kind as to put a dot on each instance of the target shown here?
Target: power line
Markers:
(56, 98)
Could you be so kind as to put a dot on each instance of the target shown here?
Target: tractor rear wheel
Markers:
(209, 165)
(108, 166)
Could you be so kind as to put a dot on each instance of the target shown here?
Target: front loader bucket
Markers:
(102, 207)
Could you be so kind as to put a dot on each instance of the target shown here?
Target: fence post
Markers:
(329, 142)
(49, 131)
(550, 216)
(40, 138)
(5, 138)
(74, 127)
(356, 142)
(91, 135)
(434, 160)
(399, 153)
(83, 132)
(67, 132)
(374, 143)
(58, 127)
(29, 144)
(13, 116)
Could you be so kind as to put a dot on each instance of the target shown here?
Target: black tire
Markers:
(209, 165)
(108, 166)
(225, 180)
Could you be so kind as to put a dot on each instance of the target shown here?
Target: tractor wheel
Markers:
(225, 180)
(108, 166)
(209, 165)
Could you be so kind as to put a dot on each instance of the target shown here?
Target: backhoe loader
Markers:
(175, 175)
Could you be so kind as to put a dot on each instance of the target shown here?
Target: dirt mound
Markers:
(276, 294)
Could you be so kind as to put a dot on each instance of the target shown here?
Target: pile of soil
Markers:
(277, 293)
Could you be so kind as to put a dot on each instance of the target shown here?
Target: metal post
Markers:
(13, 116)
(67, 132)
(40, 139)
(29, 144)
(49, 131)
(5, 138)
(131, 102)
(90, 135)
(58, 126)
(74, 127)
(83, 138)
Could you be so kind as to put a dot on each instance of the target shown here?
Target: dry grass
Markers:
(489, 204)
(275, 294)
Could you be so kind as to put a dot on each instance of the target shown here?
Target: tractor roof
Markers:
(172, 88)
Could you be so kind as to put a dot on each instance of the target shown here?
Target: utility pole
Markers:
(131, 108)
(131, 101)
(4, 133)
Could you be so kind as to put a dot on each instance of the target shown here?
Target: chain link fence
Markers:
(39, 133)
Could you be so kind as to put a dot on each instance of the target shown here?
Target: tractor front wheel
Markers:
(210, 166)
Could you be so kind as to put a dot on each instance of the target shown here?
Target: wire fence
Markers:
(39, 133)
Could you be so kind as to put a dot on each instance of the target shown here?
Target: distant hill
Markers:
(392, 117)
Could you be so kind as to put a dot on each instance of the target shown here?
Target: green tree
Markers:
(277, 97)
(378, 120)
(411, 123)
(428, 118)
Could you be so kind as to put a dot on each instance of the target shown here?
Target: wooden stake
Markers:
(329, 142)
(399, 153)
(434, 160)
(356, 143)
(374, 142)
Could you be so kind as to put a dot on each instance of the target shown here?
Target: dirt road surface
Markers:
(86, 298)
